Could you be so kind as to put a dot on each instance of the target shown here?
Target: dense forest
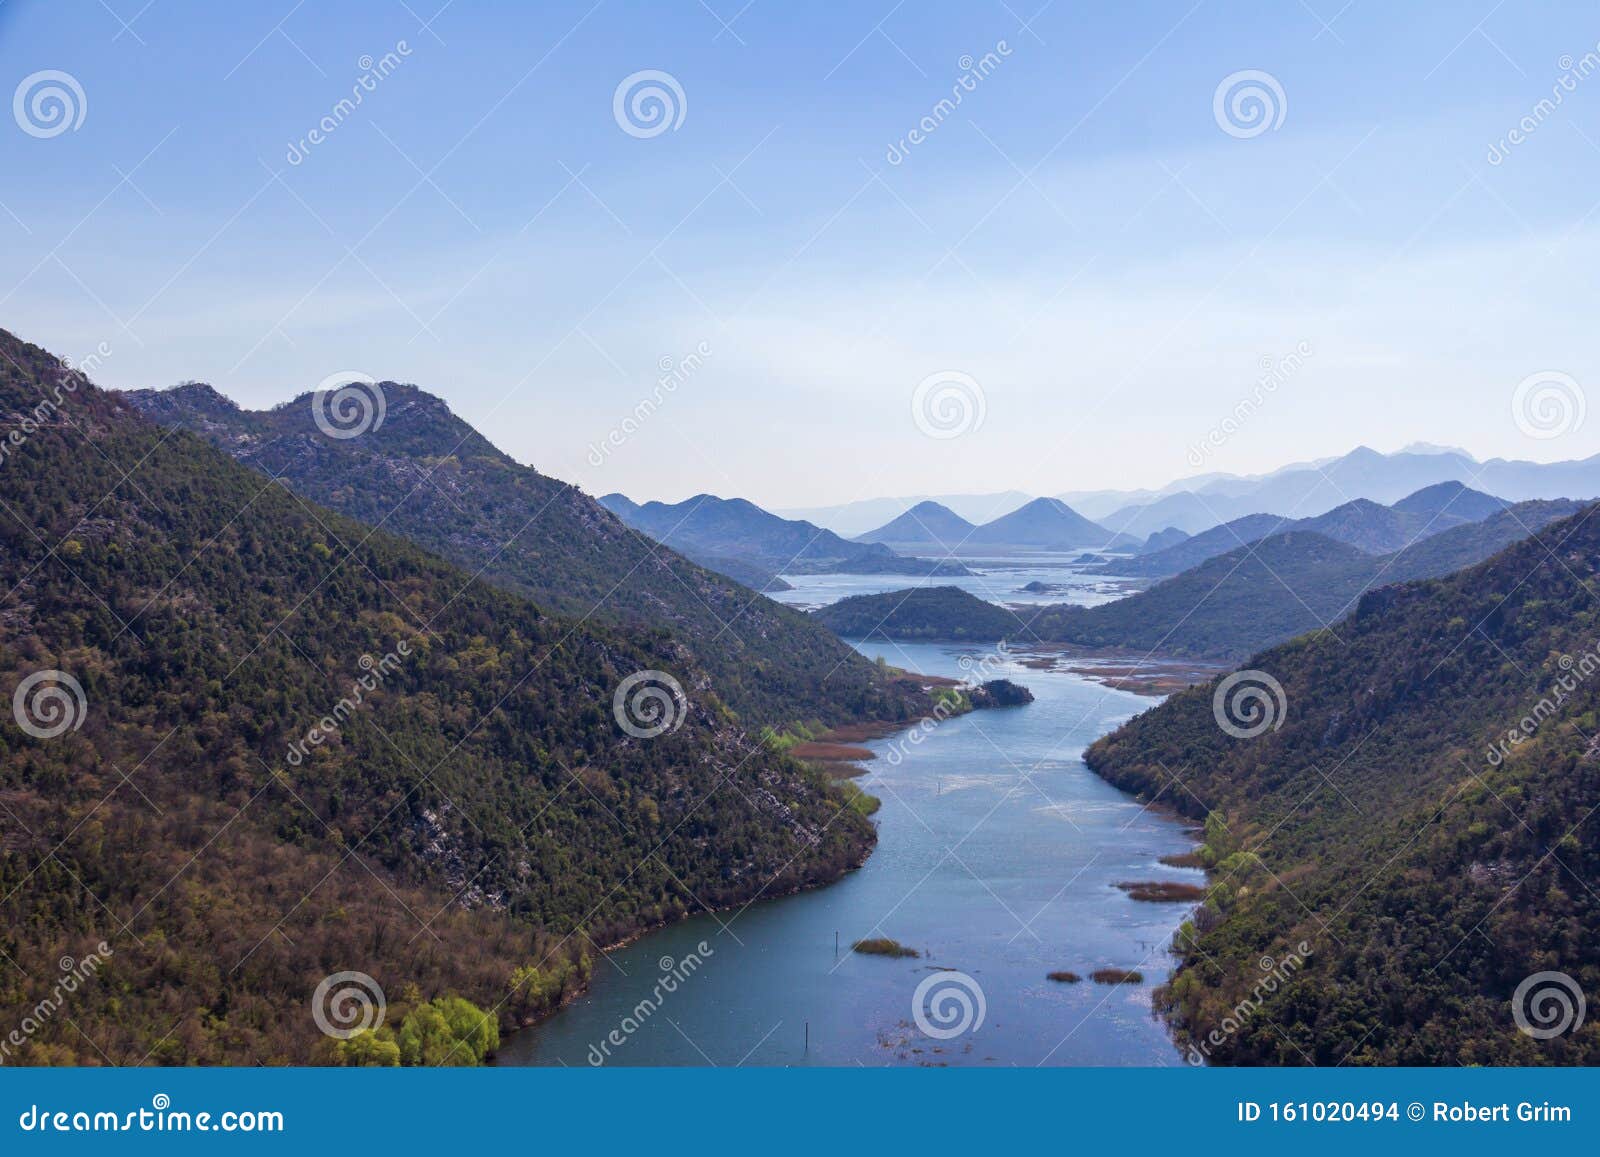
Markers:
(251, 743)
(1224, 608)
(1412, 827)
(424, 474)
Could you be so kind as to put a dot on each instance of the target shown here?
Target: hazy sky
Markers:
(1082, 237)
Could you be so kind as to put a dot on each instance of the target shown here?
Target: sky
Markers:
(1077, 277)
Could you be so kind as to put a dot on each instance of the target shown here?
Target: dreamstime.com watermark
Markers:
(1274, 373)
(978, 670)
(69, 377)
(375, 672)
(373, 73)
(973, 73)
(1573, 72)
(674, 373)
(74, 975)
(1275, 974)
(673, 974)
(1574, 673)
(160, 1117)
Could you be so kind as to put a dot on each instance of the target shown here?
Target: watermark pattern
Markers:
(373, 73)
(674, 373)
(347, 1003)
(947, 1004)
(1572, 72)
(67, 382)
(1574, 673)
(1548, 1004)
(74, 974)
(348, 404)
(375, 671)
(1275, 974)
(673, 974)
(649, 703)
(948, 404)
(1548, 404)
(1275, 372)
(1249, 703)
(49, 103)
(1248, 103)
(649, 102)
(973, 73)
(49, 703)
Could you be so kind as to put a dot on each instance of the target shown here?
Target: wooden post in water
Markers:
(836, 944)
(808, 1037)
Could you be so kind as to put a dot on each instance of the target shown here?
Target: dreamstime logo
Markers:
(1249, 703)
(1548, 1004)
(648, 704)
(973, 73)
(348, 404)
(1572, 72)
(374, 672)
(47, 104)
(348, 1003)
(74, 975)
(372, 73)
(1548, 404)
(49, 703)
(1248, 103)
(649, 102)
(947, 1004)
(948, 404)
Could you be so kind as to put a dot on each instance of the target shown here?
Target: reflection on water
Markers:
(998, 855)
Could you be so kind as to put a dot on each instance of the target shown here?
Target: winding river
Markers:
(998, 856)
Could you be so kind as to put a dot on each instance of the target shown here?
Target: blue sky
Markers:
(1081, 238)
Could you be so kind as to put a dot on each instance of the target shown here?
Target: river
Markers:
(997, 858)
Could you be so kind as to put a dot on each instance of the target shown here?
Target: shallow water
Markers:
(998, 851)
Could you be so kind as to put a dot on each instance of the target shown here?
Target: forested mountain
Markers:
(1225, 608)
(424, 473)
(252, 742)
(708, 527)
(1412, 822)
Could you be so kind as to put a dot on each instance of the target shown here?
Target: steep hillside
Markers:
(251, 743)
(1407, 819)
(423, 473)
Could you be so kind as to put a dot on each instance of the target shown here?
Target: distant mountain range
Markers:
(1298, 490)
(1362, 523)
(1044, 524)
(1225, 608)
(714, 530)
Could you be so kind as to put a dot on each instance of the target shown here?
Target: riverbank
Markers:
(997, 859)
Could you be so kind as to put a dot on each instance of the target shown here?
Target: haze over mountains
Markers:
(1224, 608)
(718, 532)
(1298, 490)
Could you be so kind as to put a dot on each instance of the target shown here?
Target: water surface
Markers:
(998, 852)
